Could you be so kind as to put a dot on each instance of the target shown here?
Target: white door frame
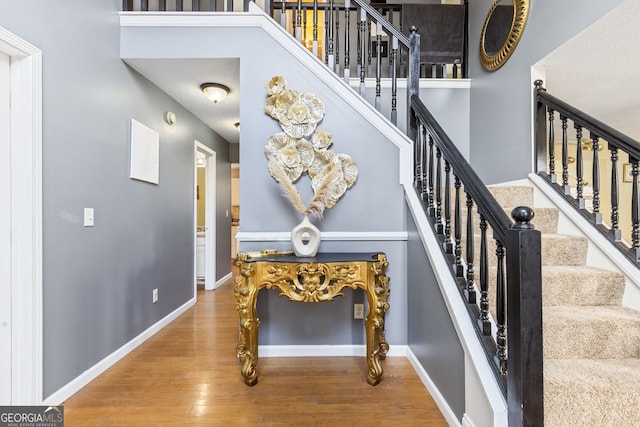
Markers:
(26, 219)
(210, 214)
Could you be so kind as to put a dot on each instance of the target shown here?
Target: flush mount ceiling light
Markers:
(214, 91)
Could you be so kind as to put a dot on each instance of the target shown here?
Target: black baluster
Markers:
(394, 80)
(144, 5)
(565, 158)
(363, 49)
(369, 45)
(423, 178)
(378, 64)
(417, 157)
(347, 71)
(304, 26)
(392, 60)
(359, 42)
(448, 247)
(179, 5)
(332, 58)
(457, 229)
(315, 29)
(326, 37)
(438, 191)
(552, 156)
(337, 42)
(597, 216)
(579, 171)
(299, 21)
(615, 232)
(470, 249)
(432, 211)
(195, 5)
(501, 335)
(485, 323)
(635, 211)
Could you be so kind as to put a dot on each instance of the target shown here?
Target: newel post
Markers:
(413, 77)
(524, 310)
(540, 128)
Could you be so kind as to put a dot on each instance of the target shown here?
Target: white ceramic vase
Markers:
(305, 238)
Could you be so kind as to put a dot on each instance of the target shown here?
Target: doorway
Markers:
(205, 227)
(21, 213)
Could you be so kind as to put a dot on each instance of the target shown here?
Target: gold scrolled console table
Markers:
(316, 279)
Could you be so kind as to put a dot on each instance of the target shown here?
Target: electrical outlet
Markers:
(358, 311)
(155, 295)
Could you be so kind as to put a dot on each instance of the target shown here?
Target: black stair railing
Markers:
(502, 288)
(601, 184)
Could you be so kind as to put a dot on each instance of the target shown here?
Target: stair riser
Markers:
(585, 289)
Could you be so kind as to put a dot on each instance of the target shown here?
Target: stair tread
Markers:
(593, 373)
(586, 392)
(595, 313)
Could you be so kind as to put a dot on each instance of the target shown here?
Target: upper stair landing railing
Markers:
(611, 205)
(444, 53)
(512, 298)
(293, 16)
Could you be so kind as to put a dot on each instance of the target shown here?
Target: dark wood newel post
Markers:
(524, 308)
(540, 129)
(413, 76)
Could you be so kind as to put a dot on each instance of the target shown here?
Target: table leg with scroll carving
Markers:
(377, 293)
(382, 289)
(246, 293)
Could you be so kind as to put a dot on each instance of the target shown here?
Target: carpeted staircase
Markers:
(591, 342)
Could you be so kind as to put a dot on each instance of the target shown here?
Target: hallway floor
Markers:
(188, 374)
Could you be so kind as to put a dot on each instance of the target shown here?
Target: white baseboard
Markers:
(222, 280)
(440, 401)
(92, 373)
(323, 350)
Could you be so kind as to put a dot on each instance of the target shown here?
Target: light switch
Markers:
(88, 217)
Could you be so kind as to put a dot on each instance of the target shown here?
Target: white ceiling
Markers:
(598, 70)
(181, 80)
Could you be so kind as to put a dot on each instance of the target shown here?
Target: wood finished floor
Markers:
(188, 374)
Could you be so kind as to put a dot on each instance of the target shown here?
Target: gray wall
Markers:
(98, 281)
(501, 100)
(374, 204)
(431, 334)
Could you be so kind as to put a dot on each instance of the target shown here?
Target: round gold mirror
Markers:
(501, 31)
